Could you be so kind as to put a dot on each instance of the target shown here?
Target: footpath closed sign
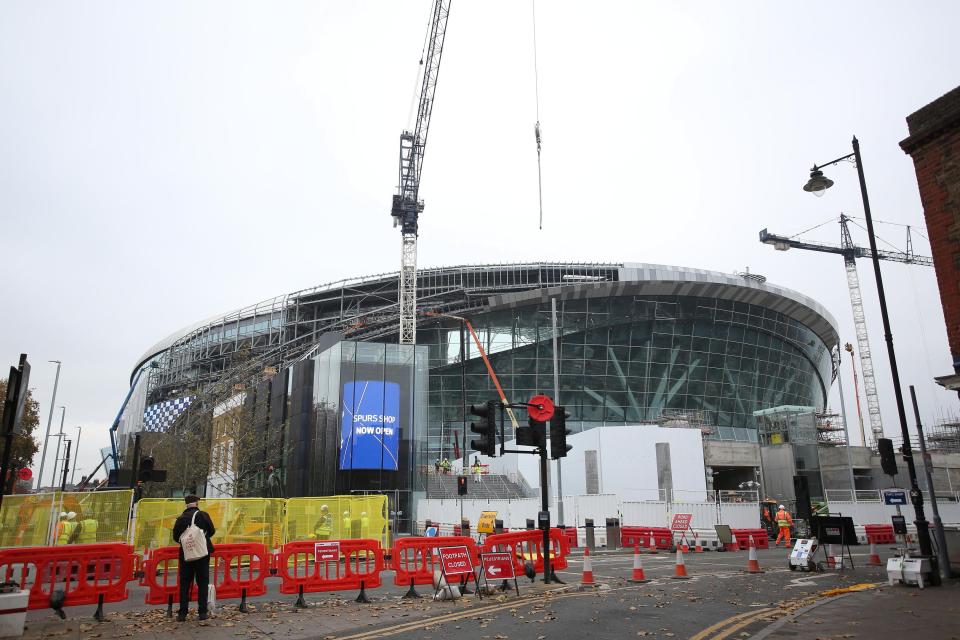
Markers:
(455, 560)
(681, 521)
(326, 551)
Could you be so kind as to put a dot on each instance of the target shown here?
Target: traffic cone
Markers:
(874, 556)
(587, 568)
(736, 545)
(753, 565)
(680, 570)
(638, 575)
(698, 548)
(653, 543)
(831, 560)
(685, 546)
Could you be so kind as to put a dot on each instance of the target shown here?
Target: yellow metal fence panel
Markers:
(55, 518)
(237, 520)
(100, 516)
(337, 518)
(25, 519)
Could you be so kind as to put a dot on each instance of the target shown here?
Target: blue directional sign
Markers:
(894, 497)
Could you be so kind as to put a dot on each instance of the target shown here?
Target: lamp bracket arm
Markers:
(849, 156)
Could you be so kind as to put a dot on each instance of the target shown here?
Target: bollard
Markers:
(530, 523)
(465, 527)
(613, 533)
(498, 526)
(588, 532)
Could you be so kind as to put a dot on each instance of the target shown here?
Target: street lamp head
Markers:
(818, 183)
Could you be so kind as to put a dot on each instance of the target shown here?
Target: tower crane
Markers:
(850, 253)
(406, 203)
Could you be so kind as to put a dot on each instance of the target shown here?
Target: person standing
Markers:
(784, 521)
(477, 469)
(195, 570)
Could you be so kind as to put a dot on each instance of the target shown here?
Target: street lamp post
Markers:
(61, 435)
(46, 438)
(817, 184)
(76, 456)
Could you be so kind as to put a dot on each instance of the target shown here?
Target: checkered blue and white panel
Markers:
(161, 416)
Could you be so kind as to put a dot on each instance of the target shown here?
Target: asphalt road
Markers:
(719, 600)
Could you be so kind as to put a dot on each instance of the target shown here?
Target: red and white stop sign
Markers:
(25, 473)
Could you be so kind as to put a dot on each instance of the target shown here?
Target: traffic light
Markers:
(146, 469)
(461, 485)
(559, 433)
(888, 460)
(486, 428)
(533, 436)
(148, 473)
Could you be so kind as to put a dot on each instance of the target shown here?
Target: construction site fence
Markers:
(271, 522)
(577, 510)
(71, 575)
(34, 520)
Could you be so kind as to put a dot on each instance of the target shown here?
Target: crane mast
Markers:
(406, 203)
(850, 253)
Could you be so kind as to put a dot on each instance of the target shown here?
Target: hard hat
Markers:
(363, 514)
(782, 507)
(346, 514)
(324, 508)
(63, 514)
(71, 515)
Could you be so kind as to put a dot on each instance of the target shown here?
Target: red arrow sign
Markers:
(497, 565)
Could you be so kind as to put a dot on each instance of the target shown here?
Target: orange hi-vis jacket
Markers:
(783, 518)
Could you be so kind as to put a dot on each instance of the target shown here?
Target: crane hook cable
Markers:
(536, 92)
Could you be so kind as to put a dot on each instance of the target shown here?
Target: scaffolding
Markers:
(685, 419)
(830, 430)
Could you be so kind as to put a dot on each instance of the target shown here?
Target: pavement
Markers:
(719, 601)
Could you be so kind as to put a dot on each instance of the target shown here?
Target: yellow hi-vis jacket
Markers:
(68, 528)
(88, 531)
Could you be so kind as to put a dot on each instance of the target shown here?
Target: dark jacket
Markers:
(203, 521)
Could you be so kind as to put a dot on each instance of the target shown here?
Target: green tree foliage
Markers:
(24, 446)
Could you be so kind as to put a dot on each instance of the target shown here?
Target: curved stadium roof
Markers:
(473, 286)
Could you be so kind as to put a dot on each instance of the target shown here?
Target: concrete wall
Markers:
(730, 454)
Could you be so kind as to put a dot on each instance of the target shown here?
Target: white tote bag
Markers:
(193, 541)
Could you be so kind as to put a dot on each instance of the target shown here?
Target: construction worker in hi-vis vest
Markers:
(784, 521)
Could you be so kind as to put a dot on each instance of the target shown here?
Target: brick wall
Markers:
(934, 145)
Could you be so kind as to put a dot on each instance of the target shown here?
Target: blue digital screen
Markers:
(370, 425)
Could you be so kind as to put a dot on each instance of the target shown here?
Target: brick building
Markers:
(934, 145)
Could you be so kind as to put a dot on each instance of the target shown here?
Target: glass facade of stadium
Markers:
(630, 360)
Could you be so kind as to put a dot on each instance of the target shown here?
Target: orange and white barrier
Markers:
(638, 575)
(753, 565)
(587, 569)
(680, 570)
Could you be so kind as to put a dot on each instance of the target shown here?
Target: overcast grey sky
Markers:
(162, 162)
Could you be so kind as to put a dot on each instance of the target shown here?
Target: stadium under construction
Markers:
(340, 407)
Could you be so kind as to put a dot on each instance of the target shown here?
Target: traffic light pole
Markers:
(545, 515)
